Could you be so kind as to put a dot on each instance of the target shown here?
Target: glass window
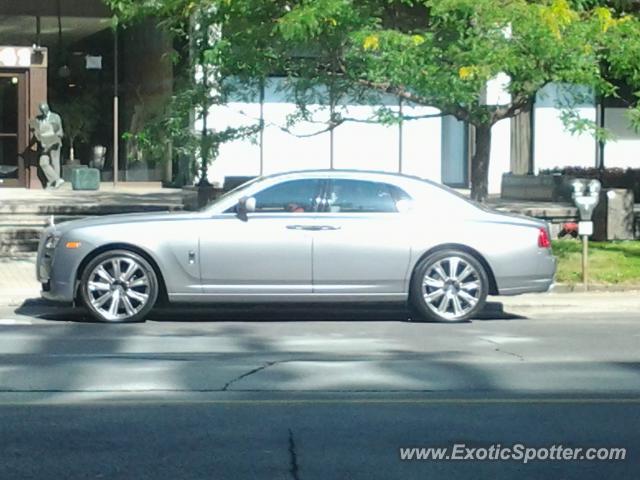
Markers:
(357, 196)
(294, 196)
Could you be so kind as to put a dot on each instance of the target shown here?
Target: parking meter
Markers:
(586, 195)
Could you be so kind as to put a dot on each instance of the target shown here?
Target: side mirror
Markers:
(245, 205)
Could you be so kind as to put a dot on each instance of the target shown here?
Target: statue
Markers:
(47, 128)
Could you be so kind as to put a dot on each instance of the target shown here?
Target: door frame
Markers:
(23, 122)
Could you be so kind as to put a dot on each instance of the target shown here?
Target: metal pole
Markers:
(585, 253)
(38, 31)
(331, 137)
(262, 128)
(116, 110)
(400, 153)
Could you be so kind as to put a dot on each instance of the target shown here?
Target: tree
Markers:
(438, 53)
(200, 82)
(442, 54)
(79, 115)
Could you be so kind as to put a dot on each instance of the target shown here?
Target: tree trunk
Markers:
(480, 163)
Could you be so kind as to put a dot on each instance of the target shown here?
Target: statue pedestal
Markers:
(85, 179)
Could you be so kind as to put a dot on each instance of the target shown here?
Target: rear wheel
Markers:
(119, 286)
(449, 286)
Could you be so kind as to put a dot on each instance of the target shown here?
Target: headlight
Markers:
(52, 242)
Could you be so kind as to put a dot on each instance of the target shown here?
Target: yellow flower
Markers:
(417, 39)
(467, 72)
(558, 15)
(372, 42)
(562, 12)
(604, 16)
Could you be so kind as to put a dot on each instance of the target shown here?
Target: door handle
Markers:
(314, 228)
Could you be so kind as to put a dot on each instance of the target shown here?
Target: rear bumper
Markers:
(535, 286)
(541, 282)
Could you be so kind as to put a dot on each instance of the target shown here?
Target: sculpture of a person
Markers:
(47, 128)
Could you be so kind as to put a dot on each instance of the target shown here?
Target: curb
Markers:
(581, 288)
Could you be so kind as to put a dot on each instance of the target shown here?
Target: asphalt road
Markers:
(315, 393)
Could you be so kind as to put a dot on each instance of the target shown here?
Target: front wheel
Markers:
(119, 286)
(449, 286)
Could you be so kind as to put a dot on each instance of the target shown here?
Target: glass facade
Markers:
(79, 79)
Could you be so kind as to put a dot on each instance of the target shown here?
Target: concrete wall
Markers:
(554, 145)
(500, 154)
(624, 150)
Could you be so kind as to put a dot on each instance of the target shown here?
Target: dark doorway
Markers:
(12, 111)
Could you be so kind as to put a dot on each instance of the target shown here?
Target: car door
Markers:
(269, 252)
(362, 242)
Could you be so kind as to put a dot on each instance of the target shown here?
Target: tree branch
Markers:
(340, 120)
(454, 110)
(519, 105)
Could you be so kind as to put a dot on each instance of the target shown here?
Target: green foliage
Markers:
(461, 44)
(205, 62)
(609, 262)
(79, 115)
(439, 53)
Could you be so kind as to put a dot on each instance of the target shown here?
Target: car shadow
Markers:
(44, 310)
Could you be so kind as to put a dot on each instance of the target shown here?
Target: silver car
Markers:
(313, 236)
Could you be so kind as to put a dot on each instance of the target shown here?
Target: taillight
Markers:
(543, 238)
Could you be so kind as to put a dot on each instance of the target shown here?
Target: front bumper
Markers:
(56, 271)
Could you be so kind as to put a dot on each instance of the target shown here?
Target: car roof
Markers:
(350, 173)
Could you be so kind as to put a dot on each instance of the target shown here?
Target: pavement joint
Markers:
(293, 456)
(500, 350)
(451, 401)
(251, 372)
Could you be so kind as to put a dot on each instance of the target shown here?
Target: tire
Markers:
(122, 276)
(437, 295)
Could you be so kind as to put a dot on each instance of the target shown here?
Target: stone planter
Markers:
(613, 218)
(67, 170)
(543, 188)
(141, 172)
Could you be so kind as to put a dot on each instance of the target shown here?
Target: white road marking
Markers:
(14, 321)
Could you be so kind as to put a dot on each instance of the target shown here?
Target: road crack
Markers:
(506, 352)
(293, 457)
(246, 374)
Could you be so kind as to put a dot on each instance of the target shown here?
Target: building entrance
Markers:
(11, 131)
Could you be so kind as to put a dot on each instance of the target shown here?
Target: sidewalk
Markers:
(18, 280)
(108, 199)
(18, 283)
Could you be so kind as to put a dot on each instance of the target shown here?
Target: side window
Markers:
(357, 196)
(294, 196)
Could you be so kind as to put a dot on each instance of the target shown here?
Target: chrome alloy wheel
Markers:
(118, 288)
(451, 287)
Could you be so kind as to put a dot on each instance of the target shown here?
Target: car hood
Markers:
(106, 220)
